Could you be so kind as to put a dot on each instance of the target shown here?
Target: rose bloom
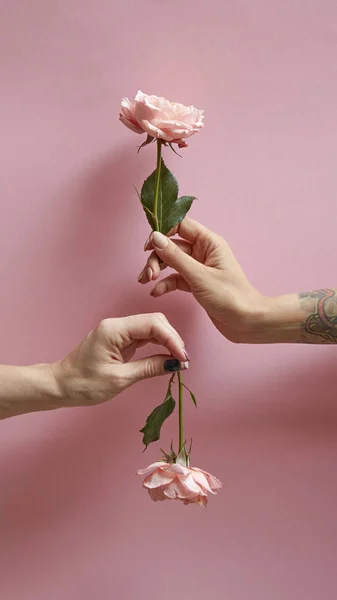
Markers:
(165, 481)
(161, 119)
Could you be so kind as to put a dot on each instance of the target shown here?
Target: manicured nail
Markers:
(159, 240)
(141, 275)
(146, 243)
(172, 365)
(149, 273)
(187, 356)
(185, 365)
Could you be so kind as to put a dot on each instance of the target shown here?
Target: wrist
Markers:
(251, 321)
(274, 320)
(74, 388)
(27, 389)
(48, 392)
(63, 376)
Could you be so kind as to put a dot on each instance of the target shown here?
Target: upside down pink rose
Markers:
(165, 481)
(168, 121)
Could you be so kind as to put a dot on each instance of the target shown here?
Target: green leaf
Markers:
(194, 400)
(177, 213)
(147, 198)
(171, 209)
(150, 217)
(168, 194)
(147, 211)
(154, 422)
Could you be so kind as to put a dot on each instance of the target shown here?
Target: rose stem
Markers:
(157, 228)
(157, 186)
(181, 426)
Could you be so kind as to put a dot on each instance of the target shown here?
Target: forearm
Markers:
(309, 317)
(28, 389)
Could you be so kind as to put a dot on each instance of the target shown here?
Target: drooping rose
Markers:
(161, 119)
(165, 481)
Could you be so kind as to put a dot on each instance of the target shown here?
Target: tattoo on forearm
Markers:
(322, 322)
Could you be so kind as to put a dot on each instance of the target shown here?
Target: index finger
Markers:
(147, 327)
(188, 229)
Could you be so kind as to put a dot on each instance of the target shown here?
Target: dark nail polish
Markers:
(172, 365)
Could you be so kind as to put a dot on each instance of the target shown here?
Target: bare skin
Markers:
(205, 266)
(98, 369)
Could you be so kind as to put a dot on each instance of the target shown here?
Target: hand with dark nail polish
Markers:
(172, 365)
(98, 369)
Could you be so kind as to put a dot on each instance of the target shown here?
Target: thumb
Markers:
(151, 366)
(173, 256)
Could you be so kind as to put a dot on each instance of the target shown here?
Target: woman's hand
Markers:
(101, 366)
(205, 266)
(97, 370)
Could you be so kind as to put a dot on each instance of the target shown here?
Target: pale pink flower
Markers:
(165, 481)
(161, 119)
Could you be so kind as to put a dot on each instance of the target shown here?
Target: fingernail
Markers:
(185, 365)
(141, 276)
(172, 365)
(159, 240)
(146, 243)
(149, 273)
(187, 356)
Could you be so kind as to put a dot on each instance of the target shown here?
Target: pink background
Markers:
(75, 523)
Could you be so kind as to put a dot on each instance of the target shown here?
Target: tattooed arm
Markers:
(309, 318)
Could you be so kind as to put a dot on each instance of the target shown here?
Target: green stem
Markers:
(157, 186)
(181, 426)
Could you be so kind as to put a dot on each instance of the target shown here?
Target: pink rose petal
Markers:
(169, 121)
(176, 490)
(151, 468)
(214, 483)
(151, 129)
(157, 495)
(127, 116)
(180, 469)
(190, 484)
(201, 479)
(177, 482)
(158, 478)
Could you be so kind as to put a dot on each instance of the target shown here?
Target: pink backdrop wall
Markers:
(74, 521)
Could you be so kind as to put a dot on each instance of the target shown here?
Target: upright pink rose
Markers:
(161, 119)
(165, 481)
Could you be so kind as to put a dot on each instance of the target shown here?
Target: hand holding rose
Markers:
(206, 267)
(98, 369)
(102, 367)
